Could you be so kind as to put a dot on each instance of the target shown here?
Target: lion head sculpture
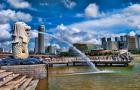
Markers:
(20, 39)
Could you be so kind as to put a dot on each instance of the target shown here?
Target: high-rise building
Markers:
(104, 43)
(41, 47)
(112, 44)
(117, 39)
(36, 45)
(123, 43)
(138, 41)
(51, 50)
(1, 50)
(86, 48)
(131, 42)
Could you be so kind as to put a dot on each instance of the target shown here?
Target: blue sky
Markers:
(83, 21)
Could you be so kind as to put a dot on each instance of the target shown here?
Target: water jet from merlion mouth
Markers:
(81, 54)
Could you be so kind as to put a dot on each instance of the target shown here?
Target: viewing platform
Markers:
(123, 59)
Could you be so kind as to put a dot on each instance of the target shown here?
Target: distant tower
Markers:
(41, 47)
(36, 45)
(104, 43)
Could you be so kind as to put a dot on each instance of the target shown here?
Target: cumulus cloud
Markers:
(132, 33)
(92, 10)
(75, 35)
(4, 32)
(19, 3)
(69, 4)
(11, 15)
(61, 27)
(122, 21)
(133, 8)
(57, 45)
(8, 16)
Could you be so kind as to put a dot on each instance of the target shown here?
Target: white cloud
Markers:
(133, 8)
(75, 35)
(5, 26)
(57, 45)
(11, 15)
(75, 30)
(122, 22)
(44, 4)
(93, 41)
(7, 16)
(19, 3)
(69, 4)
(132, 33)
(61, 27)
(92, 10)
(4, 32)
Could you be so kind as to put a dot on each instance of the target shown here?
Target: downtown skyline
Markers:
(80, 20)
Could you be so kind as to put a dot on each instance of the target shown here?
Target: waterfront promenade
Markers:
(109, 60)
(122, 59)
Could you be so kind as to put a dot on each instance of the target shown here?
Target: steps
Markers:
(32, 85)
(1, 71)
(25, 84)
(11, 81)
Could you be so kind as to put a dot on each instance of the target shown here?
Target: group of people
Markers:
(119, 57)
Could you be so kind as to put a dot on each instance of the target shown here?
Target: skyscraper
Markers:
(36, 45)
(104, 43)
(112, 44)
(138, 41)
(123, 43)
(41, 47)
(131, 42)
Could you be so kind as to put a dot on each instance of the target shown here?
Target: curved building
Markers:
(41, 47)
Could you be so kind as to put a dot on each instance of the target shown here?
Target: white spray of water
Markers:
(84, 57)
(87, 59)
(84, 73)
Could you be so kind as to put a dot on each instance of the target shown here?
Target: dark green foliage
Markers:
(67, 54)
(134, 51)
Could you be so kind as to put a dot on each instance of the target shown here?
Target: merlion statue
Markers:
(20, 39)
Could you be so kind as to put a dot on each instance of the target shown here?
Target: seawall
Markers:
(38, 71)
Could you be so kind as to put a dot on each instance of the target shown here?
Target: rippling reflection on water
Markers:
(124, 78)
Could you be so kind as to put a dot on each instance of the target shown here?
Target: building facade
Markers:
(41, 44)
(122, 42)
(131, 42)
(104, 43)
(36, 45)
(111, 44)
(138, 42)
(51, 50)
